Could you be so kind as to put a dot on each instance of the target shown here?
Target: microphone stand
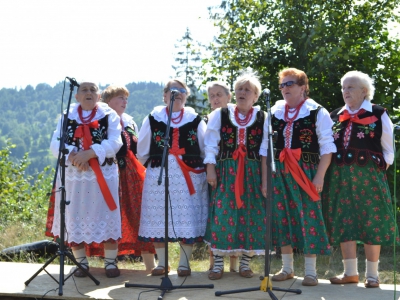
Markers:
(63, 252)
(266, 283)
(166, 284)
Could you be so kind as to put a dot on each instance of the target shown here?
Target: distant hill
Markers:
(29, 116)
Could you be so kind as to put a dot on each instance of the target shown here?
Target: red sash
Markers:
(354, 118)
(239, 153)
(83, 131)
(290, 157)
(175, 151)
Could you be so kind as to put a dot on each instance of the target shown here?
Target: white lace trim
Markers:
(279, 109)
(102, 111)
(160, 114)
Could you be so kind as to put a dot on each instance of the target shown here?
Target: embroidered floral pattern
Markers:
(228, 136)
(192, 137)
(254, 137)
(306, 137)
(158, 137)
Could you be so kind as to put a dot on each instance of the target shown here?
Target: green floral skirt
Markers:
(358, 205)
(296, 219)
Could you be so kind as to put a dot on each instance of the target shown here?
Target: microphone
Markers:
(266, 92)
(174, 91)
(73, 81)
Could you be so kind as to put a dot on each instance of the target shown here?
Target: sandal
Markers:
(216, 273)
(245, 272)
(371, 282)
(111, 272)
(78, 271)
(184, 271)
(282, 276)
(310, 280)
(159, 270)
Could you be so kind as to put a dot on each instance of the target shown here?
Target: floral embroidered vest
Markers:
(304, 136)
(187, 140)
(229, 136)
(98, 135)
(129, 139)
(365, 140)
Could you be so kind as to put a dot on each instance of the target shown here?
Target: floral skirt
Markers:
(232, 230)
(358, 205)
(297, 220)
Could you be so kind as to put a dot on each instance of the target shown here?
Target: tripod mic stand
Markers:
(266, 283)
(166, 284)
(63, 252)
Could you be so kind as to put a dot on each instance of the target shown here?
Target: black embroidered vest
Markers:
(129, 141)
(229, 136)
(187, 140)
(98, 135)
(304, 136)
(365, 140)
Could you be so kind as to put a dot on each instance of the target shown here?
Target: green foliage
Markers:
(324, 38)
(22, 197)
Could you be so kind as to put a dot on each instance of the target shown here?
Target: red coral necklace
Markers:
(296, 111)
(89, 118)
(246, 119)
(177, 119)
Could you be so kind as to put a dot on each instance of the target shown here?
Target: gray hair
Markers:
(220, 84)
(251, 77)
(365, 81)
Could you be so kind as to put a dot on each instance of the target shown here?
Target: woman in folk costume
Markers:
(188, 193)
(357, 198)
(131, 178)
(236, 149)
(304, 146)
(91, 178)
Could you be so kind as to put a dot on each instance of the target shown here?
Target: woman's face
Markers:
(118, 103)
(218, 97)
(353, 93)
(292, 94)
(88, 95)
(180, 98)
(245, 97)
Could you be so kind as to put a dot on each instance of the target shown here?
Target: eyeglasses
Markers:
(287, 83)
(180, 90)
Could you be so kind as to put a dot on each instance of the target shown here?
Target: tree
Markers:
(189, 59)
(324, 38)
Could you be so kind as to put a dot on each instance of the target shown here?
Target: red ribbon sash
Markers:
(176, 151)
(83, 131)
(239, 153)
(290, 157)
(137, 165)
(354, 118)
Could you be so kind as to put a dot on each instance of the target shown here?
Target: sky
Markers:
(104, 41)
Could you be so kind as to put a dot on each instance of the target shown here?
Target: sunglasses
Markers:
(287, 83)
(180, 90)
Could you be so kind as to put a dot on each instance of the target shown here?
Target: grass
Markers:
(327, 266)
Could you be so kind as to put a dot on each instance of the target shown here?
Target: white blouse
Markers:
(387, 130)
(213, 136)
(160, 114)
(323, 124)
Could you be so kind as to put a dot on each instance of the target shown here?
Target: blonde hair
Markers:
(249, 76)
(113, 91)
(169, 83)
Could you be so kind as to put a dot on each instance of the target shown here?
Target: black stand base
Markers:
(166, 286)
(61, 281)
(266, 286)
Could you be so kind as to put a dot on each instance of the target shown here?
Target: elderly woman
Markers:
(304, 146)
(358, 196)
(219, 96)
(187, 179)
(236, 149)
(131, 178)
(93, 138)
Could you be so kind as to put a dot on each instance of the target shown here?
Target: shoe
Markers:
(159, 270)
(79, 273)
(282, 276)
(217, 274)
(343, 279)
(184, 272)
(114, 272)
(245, 272)
(371, 282)
(310, 280)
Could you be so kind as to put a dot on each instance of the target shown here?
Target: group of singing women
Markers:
(329, 188)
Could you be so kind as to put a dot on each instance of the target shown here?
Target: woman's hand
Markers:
(211, 175)
(81, 159)
(318, 182)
